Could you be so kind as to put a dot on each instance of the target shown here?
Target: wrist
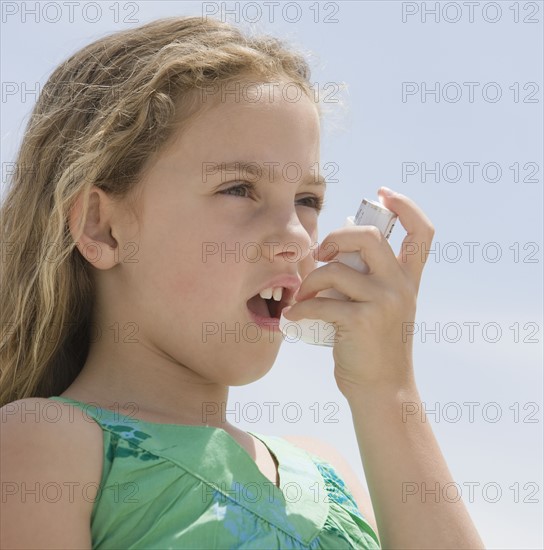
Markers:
(381, 392)
(386, 379)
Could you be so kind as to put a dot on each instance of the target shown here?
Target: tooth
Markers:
(277, 294)
(266, 293)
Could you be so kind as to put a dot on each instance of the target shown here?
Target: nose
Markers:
(290, 240)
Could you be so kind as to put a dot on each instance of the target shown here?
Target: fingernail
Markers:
(386, 191)
(285, 310)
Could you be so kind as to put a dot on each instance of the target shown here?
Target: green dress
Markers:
(181, 486)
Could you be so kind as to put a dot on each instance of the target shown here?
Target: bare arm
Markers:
(48, 470)
(402, 460)
(373, 369)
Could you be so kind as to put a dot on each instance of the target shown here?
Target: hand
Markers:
(371, 346)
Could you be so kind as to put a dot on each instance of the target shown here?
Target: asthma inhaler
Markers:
(317, 331)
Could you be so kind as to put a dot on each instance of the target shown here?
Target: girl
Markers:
(140, 166)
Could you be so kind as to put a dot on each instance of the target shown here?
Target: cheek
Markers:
(173, 266)
(205, 275)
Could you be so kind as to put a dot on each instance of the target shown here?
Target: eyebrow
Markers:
(255, 169)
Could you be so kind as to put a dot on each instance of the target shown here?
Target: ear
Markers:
(96, 244)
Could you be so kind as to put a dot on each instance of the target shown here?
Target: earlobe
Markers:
(94, 241)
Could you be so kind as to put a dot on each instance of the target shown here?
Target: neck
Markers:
(152, 388)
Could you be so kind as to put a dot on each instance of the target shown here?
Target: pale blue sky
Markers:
(367, 45)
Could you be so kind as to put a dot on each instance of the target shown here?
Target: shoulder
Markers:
(50, 424)
(330, 454)
(51, 466)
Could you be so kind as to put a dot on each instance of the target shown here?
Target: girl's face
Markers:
(205, 245)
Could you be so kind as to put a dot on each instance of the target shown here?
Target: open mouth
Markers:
(268, 307)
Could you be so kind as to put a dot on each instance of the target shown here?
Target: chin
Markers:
(246, 372)
(245, 380)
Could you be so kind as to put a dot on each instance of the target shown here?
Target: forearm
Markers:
(401, 456)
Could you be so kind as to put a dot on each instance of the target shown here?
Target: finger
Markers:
(367, 240)
(343, 278)
(326, 309)
(419, 229)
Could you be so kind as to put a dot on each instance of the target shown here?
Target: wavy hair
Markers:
(101, 114)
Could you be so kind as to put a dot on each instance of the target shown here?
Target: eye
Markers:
(247, 186)
(315, 202)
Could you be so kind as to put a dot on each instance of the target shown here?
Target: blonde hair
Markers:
(100, 116)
